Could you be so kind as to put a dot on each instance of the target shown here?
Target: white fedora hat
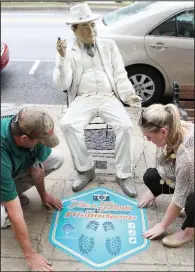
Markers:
(81, 13)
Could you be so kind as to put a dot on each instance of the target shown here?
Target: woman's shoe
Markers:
(177, 239)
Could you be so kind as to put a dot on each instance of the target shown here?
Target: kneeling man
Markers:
(26, 158)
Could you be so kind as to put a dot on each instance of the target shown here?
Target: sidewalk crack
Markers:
(39, 244)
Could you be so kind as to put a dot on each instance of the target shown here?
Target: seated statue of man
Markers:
(93, 73)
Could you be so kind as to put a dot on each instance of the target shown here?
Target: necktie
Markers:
(90, 49)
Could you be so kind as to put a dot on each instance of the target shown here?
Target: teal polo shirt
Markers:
(16, 160)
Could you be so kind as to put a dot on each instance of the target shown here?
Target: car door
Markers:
(171, 46)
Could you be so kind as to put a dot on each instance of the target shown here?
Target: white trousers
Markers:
(81, 111)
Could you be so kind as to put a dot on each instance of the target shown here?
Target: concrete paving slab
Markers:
(43, 246)
(13, 264)
(133, 267)
(58, 255)
(11, 249)
(163, 268)
(181, 268)
(155, 254)
(7, 234)
(76, 266)
(36, 215)
(181, 256)
(70, 266)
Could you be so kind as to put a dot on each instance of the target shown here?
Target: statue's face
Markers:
(86, 32)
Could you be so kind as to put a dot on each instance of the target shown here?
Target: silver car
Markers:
(156, 40)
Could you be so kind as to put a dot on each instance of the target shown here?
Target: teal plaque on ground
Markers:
(99, 227)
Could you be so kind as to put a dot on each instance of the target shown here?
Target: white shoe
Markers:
(82, 179)
(128, 186)
(5, 222)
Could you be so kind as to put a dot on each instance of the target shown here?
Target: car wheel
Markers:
(147, 82)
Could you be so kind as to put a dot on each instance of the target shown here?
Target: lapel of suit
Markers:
(78, 62)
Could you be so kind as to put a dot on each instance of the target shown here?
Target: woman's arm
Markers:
(171, 214)
(184, 185)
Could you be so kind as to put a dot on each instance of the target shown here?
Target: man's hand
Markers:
(51, 202)
(37, 262)
(134, 101)
(61, 47)
(48, 200)
(154, 232)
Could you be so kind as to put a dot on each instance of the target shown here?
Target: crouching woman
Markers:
(174, 172)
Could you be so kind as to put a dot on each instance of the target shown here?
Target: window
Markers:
(181, 25)
(117, 15)
(167, 28)
(185, 24)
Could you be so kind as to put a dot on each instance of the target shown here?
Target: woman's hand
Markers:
(154, 232)
(147, 198)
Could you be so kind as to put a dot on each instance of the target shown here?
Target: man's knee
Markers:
(60, 161)
(69, 124)
(126, 127)
(65, 123)
(54, 161)
(151, 175)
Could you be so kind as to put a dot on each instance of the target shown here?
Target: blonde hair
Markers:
(159, 116)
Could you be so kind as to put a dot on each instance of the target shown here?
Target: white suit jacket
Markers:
(68, 70)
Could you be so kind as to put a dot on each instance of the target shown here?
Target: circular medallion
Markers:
(162, 182)
(173, 156)
(168, 181)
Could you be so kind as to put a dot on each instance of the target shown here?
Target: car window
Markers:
(168, 28)
(180, 25)
(185, 24)
(117, 15)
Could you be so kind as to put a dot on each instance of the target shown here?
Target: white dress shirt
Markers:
(94, 79)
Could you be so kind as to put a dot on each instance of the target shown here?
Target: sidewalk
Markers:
(155, 258)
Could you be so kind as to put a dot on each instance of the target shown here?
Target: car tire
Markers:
(148, 74)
